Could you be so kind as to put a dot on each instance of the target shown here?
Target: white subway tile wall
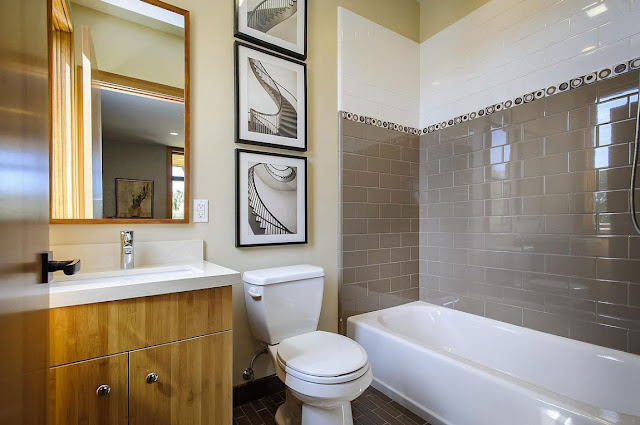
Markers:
(510, 47)
(378, 71)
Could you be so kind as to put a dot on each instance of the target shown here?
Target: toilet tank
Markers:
(283, 302)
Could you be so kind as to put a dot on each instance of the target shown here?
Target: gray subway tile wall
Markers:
(380, 211)
(523, 216)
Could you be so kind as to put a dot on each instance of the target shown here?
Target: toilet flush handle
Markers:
(255, 294)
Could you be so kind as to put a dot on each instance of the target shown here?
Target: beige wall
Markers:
(436, 15)
(213, 153)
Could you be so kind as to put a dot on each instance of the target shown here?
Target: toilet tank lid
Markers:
(282, 274)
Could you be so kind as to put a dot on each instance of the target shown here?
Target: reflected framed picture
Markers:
(134, 198)
(279, 25)
(271, 199)
(271, 99)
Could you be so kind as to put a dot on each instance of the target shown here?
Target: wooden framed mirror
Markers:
(119, 112)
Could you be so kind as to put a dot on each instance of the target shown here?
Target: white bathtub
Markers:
(455, 368)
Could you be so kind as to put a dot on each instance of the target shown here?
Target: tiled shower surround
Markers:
(523, 216)
(380, 210)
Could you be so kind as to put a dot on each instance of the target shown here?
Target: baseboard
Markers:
(252, 391)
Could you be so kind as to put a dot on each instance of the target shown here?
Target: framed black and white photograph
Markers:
(271, 199)
(279, 25)
(271, 99)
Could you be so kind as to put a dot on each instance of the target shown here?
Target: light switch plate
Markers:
(200, 210)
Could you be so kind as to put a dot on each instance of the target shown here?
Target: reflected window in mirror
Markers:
(175, 196)
(119, 110)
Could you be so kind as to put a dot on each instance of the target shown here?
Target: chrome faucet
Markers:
(126, 249)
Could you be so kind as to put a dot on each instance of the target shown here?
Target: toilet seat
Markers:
(322, 358)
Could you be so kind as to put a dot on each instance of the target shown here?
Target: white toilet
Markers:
(323, 371)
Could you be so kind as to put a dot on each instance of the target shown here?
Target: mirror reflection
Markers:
(118, 145)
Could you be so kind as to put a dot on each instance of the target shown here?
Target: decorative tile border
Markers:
(574, 83)
(379, 123)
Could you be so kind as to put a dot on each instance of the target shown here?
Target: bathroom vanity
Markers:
(152, 345)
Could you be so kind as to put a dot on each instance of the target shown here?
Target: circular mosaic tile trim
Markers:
(603, 74)
(574, 83)
(590, 78)
(620, 68)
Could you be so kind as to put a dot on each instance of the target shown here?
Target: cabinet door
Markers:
(187, 382)
(89, 393)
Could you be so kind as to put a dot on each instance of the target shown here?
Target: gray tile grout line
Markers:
(574, 83)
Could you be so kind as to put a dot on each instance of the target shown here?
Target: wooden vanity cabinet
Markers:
(94, 392)
(192, 385)
(157, 360)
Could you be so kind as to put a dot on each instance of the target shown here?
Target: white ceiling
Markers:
(137, 119)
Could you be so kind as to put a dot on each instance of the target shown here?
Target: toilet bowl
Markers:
(323, 371)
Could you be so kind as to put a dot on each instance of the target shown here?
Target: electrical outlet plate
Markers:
(200, 210)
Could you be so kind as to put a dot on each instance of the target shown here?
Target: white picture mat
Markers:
(294, 47)
(244, 53)
(246, 235)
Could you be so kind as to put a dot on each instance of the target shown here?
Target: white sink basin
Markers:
(126, 277)
(89, 288)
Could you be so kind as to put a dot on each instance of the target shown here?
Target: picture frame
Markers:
(134, 198)
(278, 25)
(270, 99)
(271, 199)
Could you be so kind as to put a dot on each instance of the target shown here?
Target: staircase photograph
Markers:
(271, 199)
(274, 185)
(271, 99)
(279, 25)
(283, 122)
(268, 14)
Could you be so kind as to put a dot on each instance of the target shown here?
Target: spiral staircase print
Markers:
(264, 223)
(285, 121)
(270, 13)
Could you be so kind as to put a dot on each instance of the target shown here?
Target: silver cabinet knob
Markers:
(103, 390)
(152, 377)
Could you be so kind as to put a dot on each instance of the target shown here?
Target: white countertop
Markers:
(102, 286)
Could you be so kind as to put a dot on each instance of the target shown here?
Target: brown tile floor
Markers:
(372, 408)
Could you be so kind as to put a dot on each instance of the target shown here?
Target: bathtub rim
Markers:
(577, 407)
